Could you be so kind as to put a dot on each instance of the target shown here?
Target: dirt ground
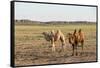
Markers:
(33, 49)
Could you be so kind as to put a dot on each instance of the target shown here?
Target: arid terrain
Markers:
(32, 49)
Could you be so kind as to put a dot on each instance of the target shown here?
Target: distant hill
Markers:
(52, 22)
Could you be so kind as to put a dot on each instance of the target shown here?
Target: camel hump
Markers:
(80, 30)
(52, 31)
(58, 31)
(75, 31)
(81, 34)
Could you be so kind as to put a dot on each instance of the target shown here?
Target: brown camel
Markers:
(75, 39)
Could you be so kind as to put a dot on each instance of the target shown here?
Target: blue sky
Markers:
(51, 12)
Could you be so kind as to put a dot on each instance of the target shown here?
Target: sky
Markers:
(54, 12)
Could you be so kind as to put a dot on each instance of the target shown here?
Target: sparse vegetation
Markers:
(32, 49)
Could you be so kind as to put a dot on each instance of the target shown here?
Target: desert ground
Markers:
(32, 49)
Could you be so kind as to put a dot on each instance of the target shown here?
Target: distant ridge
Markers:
(24, 21)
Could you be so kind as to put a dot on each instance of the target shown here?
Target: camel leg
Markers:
(73, 49)
(82, 43)
(63, 48)
(76, 50)
(53, 47)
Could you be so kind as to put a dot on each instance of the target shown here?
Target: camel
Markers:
(53, 37)
(75, 39)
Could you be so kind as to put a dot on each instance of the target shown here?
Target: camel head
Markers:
(44, 33)
(47, 36)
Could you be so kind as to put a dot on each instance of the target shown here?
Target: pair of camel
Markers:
(74, 39)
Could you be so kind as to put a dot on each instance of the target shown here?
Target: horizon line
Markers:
(56, 20)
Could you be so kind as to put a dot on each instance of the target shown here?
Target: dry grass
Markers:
(32, 49)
